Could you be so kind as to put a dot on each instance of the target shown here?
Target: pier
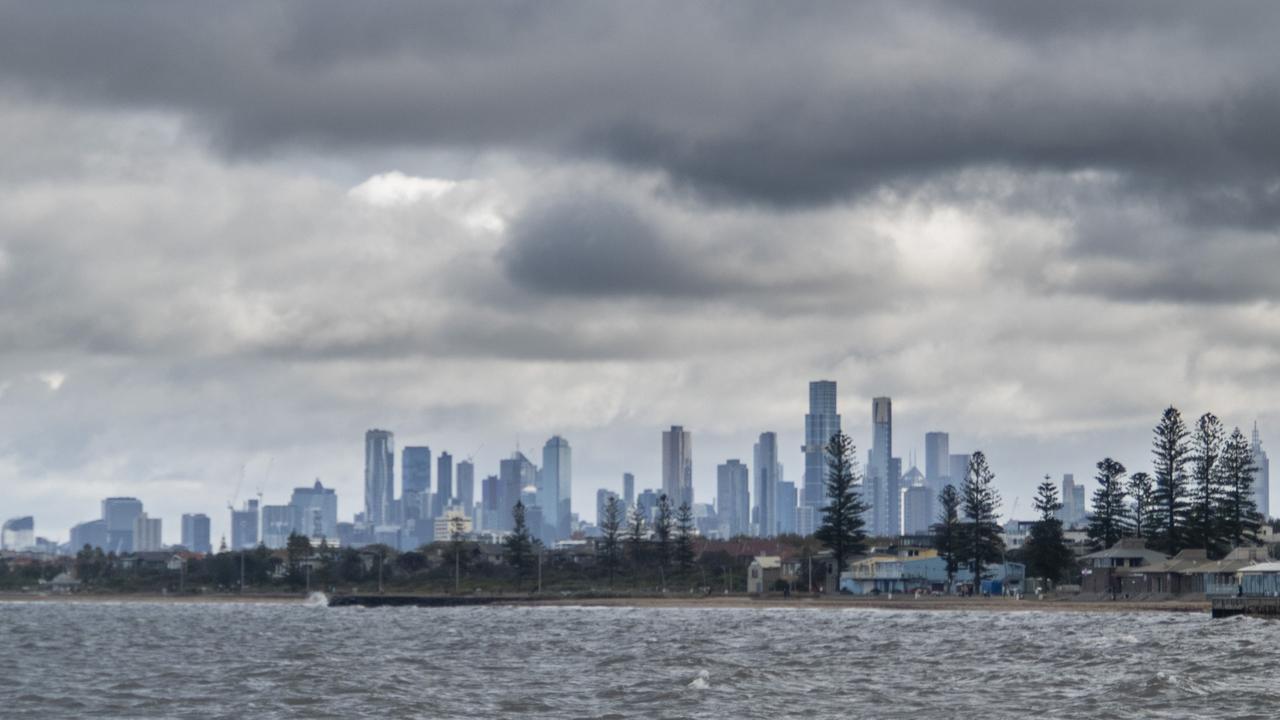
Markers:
(418, 600)
(1267, 607)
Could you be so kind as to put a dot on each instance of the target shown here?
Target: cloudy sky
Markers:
(241, 234)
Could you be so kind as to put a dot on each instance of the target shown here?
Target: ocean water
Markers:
(231, 660)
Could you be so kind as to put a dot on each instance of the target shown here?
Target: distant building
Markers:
(515, 473)
(937, 461)
(119, 513)
(444, 483)
(244, 526)
(146, 534)
(491, 503)
(885, 517)
(379, 476)
(18, 533)
(92, 533)
(415, 483)
(820, 424)
(766, 467)
(806, 520)
(647, 501)
(556, 488)
(195, 533)
(788, 497)
(629, 489)
(1074, 512)
(959, 468)
(465, 494)
(602, 501)
(677, 466)
(732, 499)
(317, 511)
(1261, 476)
(278, 523)
(917, 503)
(453, 519)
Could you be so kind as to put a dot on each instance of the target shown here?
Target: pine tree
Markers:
(663, 525)
(1109, 521)
(1203, 526)
(1142, 491)
(637, 533)
(947, 533)
(1238, 513)
(611, 534)
(684, 537)
(519, 542)
(1047, 553)
(842, 518)
(980, 499)
(1170, 456)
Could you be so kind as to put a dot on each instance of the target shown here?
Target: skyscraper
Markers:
(415, 484)
(937, 461)
(444, 483)
(244, 526)
(732, 501)
(629, 489)
(466, 491)
(677, 466)
(317, 511)
(788, 497)
(278, 523)
(491, 503)
(119, 514)
(515, 474)
(819, 425)
(959, 463)
(602, 501)
(195, 533)
(1261, 476)
(766, 466)
(917, 502)
(885, 517)
(18, 533)
(379, 476)
(557, 485)
(146, 534)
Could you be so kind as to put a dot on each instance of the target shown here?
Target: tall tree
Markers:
(663, 525)
(297, 552)
(947, 533)
(611, 535)
(980, 499)
(637, 533)
(1047, 553)
(842, 529)
(684, 537)
(1170, 455)
(1141, 490)
(1109, 521)
(1203, 526)
(1240, 520)
(519, 542)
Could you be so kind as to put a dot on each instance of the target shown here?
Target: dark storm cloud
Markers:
(781, 104)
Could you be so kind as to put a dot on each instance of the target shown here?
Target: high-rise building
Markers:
(1261, 475)
(92, 533)
(959, 463)
(317, 511)
(491, 503)
(765, 457)
(195, 533)
(119, 514)
(806, 520)
(1075, 510)
(820, 424)
(885, 518)
(515, 474)
(733, 504)
(895, 496)
(146, 534)
(465, 494)
(602, 501)
(917, 502)
(415, 484)
(278, 523)
(444, 483)
(788, 498)
(244, 526)
(556, 485)
(629, 489)
(677, 466)
(647, 501)
(379, 477)
(937, 461)
(18, 533)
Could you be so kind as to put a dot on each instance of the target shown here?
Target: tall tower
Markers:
(1261, 476)
(884, 487)
(556, 485)
(677, 466)
(415, 482)
(766, 467)
(466, 490)
(629, 489)
(732, 498)
(379, 476)
(937, 462)
(444, 483)
(819, 425)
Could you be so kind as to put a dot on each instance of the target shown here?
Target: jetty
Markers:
(1266, 607)
(419, 600)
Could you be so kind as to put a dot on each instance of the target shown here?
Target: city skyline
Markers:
(971, 208)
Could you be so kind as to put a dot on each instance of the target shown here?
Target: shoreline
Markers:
(923, 604)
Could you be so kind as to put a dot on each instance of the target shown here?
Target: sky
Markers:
(235, 236)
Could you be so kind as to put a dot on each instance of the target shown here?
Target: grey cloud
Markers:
(782, 105)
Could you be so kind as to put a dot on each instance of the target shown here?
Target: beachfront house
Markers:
(763, 573)
(1260, 579)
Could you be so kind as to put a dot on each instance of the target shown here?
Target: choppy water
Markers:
(136, 660)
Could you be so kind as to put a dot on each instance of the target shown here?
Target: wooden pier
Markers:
(1266, 607)
(419, 600)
